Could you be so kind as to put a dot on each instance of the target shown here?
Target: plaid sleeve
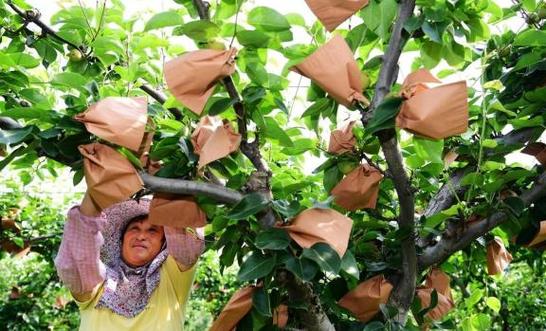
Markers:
(78, 260)
(185, 246)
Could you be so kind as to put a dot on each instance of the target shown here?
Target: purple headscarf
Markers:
(127, 290)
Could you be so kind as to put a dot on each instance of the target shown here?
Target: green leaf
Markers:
(295, 19)
(349, 265)
(384, 115)
(24, 60)
(251, 204)
(164, 19)
(70, 79)
(267, 19)
(493, 303)
(274, 131)
(531, 38)
(15, 136)
(301, 267)
(201, 30)
(434, 30)
(260, 301)
(326, 257)
(378, 16)
(320, 106)
(221, 105)
(300, 146)
(256, 266)
(429, 150)
(254, 39)
(275, 239)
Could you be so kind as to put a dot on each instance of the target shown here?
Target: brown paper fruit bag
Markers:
(359, 189)
(439, 281)
(191, 77)
(538, 150)
(342, 140)
(433, 112)
(237, 307)
(119, 120)
(332, 13)
(175, 210)
(334, 69)
(213, 140)
(364, 300)
(110, 177)
(321, 225)
(498, 258)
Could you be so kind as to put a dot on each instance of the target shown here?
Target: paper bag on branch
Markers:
(237, 307)
(334, 69)
(332, 13)
(364, 300)
(359, 189)
(280, 316)
(119, 120)
(498, 257)
(538, 150)
(110, 177)
(439, 281)
(316, 225)
(342, 140)
(179, 211)
(191, 77)
(540, 237)
(214, 139)
(433, 112)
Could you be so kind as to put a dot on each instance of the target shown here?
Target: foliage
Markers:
(45, 79)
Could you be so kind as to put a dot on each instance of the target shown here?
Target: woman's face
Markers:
(142, 241)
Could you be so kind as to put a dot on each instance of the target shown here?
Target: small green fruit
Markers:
(75, 55)
(346, 166)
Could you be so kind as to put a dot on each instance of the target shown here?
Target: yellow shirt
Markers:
(165, 310)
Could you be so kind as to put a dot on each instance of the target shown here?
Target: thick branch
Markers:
(34, 17)
(403, 294)
(178, 186)
(445, 198)
(159, 97)
(451, 244)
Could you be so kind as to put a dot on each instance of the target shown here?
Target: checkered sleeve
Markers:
(184, 245)
(78, 260)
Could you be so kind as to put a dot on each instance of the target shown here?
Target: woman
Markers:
(124, 272)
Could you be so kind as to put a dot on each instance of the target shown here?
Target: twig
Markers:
(34, 17)
(159, 97)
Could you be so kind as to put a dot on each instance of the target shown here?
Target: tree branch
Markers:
(445, 198)
(178, 186)
(34, 17)
(403, 294)
(161, 98)
(451, 244)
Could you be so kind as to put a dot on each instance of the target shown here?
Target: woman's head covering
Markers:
(127, 290)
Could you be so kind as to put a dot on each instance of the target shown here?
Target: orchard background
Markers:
(429, 212)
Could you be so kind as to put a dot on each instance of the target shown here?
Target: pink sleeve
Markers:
(78, 261)
(184, 246)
